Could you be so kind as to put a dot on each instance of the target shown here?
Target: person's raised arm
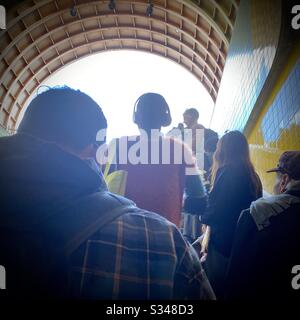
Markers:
(195, 199)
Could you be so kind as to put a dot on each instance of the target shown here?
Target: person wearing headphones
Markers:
(162, 174)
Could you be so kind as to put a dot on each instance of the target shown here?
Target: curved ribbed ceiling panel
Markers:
(43, 36)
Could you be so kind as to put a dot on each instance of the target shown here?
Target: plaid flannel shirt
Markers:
(140, 255)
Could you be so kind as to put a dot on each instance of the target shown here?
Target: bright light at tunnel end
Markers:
(116, 79)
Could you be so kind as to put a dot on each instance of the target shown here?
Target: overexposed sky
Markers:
(116, 79)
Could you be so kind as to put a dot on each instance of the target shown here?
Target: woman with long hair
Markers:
(235, 184)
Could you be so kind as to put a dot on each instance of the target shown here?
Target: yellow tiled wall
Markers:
(278, 126)
(250, 58)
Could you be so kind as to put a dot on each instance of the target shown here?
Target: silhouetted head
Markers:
(151, 111)
(233, 149)
(211, 139)
(67, 117)
(190, 117)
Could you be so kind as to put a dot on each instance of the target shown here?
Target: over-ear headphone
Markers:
(152, 100)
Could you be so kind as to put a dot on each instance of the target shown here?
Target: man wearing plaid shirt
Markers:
(140, 255)
(46, 169)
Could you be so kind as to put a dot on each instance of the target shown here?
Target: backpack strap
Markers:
(75, 224)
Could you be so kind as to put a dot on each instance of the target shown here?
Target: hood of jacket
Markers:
(263, 209)
(36, 178)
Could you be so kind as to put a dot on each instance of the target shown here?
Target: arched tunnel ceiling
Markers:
(42, 37)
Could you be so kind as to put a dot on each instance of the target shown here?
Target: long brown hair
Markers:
(233, 148)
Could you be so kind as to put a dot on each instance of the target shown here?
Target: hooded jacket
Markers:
(266, 250)
(40, 175)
